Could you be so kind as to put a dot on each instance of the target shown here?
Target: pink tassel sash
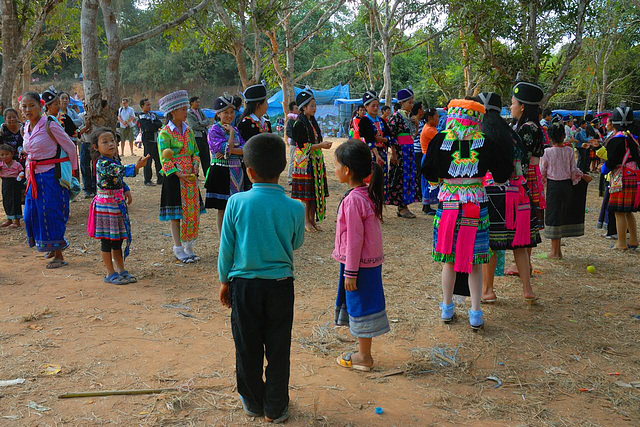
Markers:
(446, 227)
(467, 237)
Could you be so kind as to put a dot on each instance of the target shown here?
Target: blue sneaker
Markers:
(475, 319)
(248, 411)
(448, 314)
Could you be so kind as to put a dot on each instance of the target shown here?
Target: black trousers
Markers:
(12, 197)
(205, 156)
(261, 321)
(151, 147)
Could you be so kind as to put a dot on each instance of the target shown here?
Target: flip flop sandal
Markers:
(344, 360)
(511, 272)
(128, 277)
(489, 301)
(530, 301)
(281, 419)
(6, 224)
(247, 411)
(56, 263)
(16, 226)
(116, 279)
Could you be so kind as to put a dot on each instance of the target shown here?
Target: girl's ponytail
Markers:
(376, 189)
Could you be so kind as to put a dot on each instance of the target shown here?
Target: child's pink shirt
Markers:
(358, 233)
(10, 171)
(559, 164)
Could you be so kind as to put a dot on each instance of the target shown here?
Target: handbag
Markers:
(616, 175)
(63, 170)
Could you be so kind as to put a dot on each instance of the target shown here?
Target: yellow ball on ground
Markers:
(167, 153)
(591, 269)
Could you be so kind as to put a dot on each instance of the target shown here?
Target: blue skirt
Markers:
(45, 218)
(429, 197)
(363, 310)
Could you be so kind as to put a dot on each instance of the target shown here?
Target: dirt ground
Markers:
(555, 360)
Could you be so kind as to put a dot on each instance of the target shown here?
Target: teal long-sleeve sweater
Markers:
(261, 229)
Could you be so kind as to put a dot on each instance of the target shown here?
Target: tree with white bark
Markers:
(23, 27)
(295, 25)
(115, 46)
(393, 20)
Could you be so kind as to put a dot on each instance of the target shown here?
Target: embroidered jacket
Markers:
(358, 233)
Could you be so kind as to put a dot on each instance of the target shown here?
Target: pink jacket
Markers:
(358, 233)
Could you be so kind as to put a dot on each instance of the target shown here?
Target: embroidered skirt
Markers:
(224, 179)
(363, 310)
(309, 180)
(500, 237)
(402, 178)
(536, 192)
(480, 245)
(46, 217)
(106, 218)
(181, 201)
(566, 203)
(624, 199)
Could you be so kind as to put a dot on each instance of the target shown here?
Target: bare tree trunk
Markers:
(11, 38)
(386, 72)
(26, 75)
(90, 70)
(114, 49)
(468, 73)
(372, 45)
(573, 52)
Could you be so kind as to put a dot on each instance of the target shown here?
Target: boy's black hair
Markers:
(292, 105)
(125, 99)
(581, 122)
(7, 147)
(193, 99)
(430, 112)
(546, 112)
(143, 101)
(265, 154)
(385, 108)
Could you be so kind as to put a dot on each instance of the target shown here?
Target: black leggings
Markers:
(110, 245)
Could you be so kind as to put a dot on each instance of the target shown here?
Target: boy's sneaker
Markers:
(447, 314)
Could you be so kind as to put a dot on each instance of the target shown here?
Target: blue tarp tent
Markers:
(323, 97)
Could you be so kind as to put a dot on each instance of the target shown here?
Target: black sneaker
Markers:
(149, 184)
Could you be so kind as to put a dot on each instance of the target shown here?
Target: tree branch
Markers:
(420, 43)
(138, 38)
(314, 69)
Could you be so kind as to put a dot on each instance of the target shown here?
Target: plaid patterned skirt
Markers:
(624, 200)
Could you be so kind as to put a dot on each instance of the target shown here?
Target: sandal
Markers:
(56, 263)
(6, 223)
(489, 300)
(128, 277)
(344, 360)
(406, 214)
(14, 225)
(116, 279)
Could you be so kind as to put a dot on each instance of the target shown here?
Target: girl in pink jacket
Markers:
(358, 248)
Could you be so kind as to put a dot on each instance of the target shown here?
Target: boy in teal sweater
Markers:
(261, 229)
